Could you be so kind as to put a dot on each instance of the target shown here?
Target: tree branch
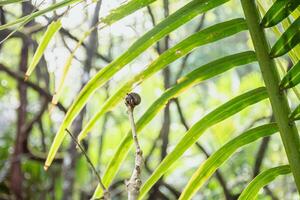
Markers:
(106, 194)
(69, 35)
(30, 84)
(134, 184)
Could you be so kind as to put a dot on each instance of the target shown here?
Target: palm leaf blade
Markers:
(50, 32)
(295, 115)
(292, 78)
(289, 39)
(207, 169)
(208, 35)
(264, 178)
(125, 10)
(224, 111)
(172, 22)
(29, 17)
(198, 75)
(279, 11)
(115, 15)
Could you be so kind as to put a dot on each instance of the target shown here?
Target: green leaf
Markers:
(66, 69)
(295, 115)
(50, 32)
(196, 76)
(31, 16)
(208, 168)
(208, 35)
(112, 17)
(264, 178)
(5, 2)
(60, 86)
(289, 39)
(224, 111)
(279, 11)
(275, 29)
(221, 113)
(172, 22)
(125, 10)
(292, 78)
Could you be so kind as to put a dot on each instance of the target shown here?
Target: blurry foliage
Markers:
(197, 102)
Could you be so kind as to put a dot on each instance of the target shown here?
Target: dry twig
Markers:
(135, 182)
(106, 194)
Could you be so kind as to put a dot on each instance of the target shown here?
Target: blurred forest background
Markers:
(27, 128)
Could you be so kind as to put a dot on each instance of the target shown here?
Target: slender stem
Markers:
(278, 99)
(134, 134)
(105, 193)
(135, 182)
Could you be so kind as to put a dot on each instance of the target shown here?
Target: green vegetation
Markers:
(225, 75)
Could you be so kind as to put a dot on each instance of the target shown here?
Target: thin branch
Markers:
(69, 167)
(30, 84)
(185, 58)
(263, 147)
(104, 125)
(153, 21)
(69, 35)
(37, 118)
(147, 158)
(150, 12)
(134, 184)
(63, 39)
(256, 121)
(105, 191)
(40, 158)
(173, 190)
(261, 155)
(270, 193)
(43, 135)
(165, 129)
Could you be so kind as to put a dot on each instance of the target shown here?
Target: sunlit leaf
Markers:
(125, 10)
(50, 32)
(114, 15)
(296, 13)
(208, 168)
(279, 11)
(172, 22)
(294, 54)
(289, 39)
(263, 179)
(205, 36)
(196, 76)
(296, 50)
(292, 78)
(275, 29)
(295, 115)
(219, 114)
(30, 17)
(66, 69)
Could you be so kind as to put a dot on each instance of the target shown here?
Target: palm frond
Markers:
(221, 113)
(251, 191)
(172, 22)
(196, 76)
(207, 169)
